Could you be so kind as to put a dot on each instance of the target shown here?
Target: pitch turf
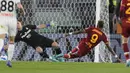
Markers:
(68, 67)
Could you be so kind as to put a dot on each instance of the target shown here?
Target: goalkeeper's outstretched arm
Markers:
(41, 26)
(51, 24)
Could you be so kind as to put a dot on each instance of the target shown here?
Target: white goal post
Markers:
(102, 13)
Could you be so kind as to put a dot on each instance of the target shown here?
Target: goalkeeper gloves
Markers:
(52, 24)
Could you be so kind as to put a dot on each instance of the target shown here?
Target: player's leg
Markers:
(1, 44)
(72, 54)
(81, 51)
(2, 36)
(125, 47)
(3, 32)
(42, 52)
(4, 49)
(10, 51)
(73, 51)
(126, 50)
(57, 51)
(125, 35)
(46, 42)
(12, 23)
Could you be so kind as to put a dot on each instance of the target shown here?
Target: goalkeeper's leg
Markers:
(42, 53)
(57, 51)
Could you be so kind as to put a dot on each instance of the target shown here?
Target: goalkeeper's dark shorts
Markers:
(45, 42)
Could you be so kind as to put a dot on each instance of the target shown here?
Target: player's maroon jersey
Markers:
(94, 37)
(125, 17)
(125, 9)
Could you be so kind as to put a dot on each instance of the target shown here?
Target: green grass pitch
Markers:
(66, 67)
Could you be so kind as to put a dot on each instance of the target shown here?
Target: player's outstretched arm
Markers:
(113, 53)
(76, 32)
(71, 33)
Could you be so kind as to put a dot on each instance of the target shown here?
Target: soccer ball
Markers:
(3, 58)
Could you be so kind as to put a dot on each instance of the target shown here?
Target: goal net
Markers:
(69, 15)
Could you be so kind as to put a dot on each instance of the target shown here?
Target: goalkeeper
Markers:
(28, 35)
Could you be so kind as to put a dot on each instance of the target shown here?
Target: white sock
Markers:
(1, 44)
(10, 51)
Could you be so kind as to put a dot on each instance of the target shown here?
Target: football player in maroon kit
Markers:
(94, 37)
(125, 19)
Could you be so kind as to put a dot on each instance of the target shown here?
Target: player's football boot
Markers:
(9, 64)
(53, 59)
(128, 63)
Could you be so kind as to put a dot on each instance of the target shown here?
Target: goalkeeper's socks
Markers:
(126, 50)
(44, 55)
(56, 51)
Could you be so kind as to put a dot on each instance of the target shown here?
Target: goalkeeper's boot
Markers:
(128, 63)
(59, 55)
(61, 59)
(9, 63)
(53, 59)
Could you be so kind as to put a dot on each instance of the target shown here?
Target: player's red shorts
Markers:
(83, 50)
(125, 27)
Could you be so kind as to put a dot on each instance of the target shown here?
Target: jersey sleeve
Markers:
(31, 26)
(88, 29)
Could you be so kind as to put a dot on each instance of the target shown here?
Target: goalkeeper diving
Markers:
(27, 34)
